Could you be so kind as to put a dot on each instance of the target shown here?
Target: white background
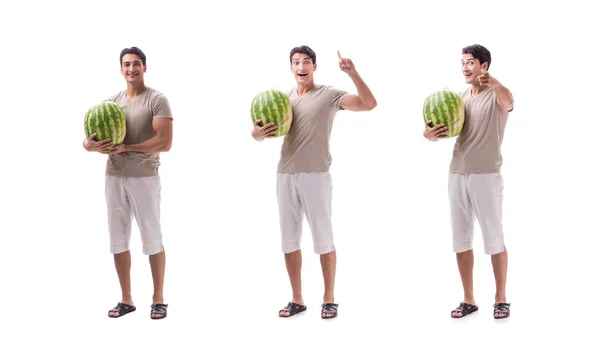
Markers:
(397, 279)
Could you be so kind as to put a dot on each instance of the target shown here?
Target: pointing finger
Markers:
(339, 55)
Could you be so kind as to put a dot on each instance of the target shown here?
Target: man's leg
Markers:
(290, 222)
(119, 226)
(145, 201)
(315, 190)
(487, 201)
(465, 261)
(461, 217)
(500, 265)
(157, 265)
(328, 265)
(123, 267)
(293, 264)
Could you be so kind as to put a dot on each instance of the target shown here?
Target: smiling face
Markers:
(472, 68)
(132, 68)
(302, 68)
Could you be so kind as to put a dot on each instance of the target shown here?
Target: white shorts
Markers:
(308, 193)
(140, 197)
(478, 195)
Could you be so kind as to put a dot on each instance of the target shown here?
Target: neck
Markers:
(304, 88)
(135, 89)
(477, 88)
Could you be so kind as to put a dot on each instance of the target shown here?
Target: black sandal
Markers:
(464, 309)
(122, 308)
(158, 309)
(501, 308)
(293, 309)
(329, 308)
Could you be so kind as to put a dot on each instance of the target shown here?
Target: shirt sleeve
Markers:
(336, 96)
(161, 107)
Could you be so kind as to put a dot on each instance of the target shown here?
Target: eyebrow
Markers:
(136, 61)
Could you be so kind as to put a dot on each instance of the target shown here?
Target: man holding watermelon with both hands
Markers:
(475, 183)
(303, 180)
(132, 179)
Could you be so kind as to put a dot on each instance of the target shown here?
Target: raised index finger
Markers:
(339, 55)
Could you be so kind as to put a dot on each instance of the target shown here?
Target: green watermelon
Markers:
(107, 120)
(445, 106)
(272, 106)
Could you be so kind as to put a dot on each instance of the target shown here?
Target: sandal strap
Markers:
(121, 307)
(159, 308)
(502, 307)
(329, 307)
(464, 307)
(292, 307)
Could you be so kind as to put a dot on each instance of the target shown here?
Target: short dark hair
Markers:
(133, 50)
(305, 50)
(479, 52)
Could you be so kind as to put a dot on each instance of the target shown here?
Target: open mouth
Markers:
(302, 75)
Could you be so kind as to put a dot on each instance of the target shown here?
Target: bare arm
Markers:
(161, 142)
(505, 98)
(364, 100)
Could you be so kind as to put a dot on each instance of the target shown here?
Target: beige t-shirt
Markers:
(306, 145)
(477, 147)
(139, 114)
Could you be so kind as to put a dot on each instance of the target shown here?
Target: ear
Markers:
(314, 66)
(485, 66)
(144, 68)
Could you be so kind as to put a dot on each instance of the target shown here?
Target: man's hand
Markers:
(487, 79)
(435, 133)
(114, 149)
(101, 146)
(346, 64)
(261, 132)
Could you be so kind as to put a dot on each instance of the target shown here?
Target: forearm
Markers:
(363, 91)
(505, 98)
(154, 145)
